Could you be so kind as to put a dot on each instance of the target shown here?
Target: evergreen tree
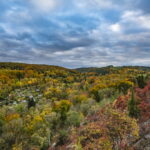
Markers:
(141, 81)
(132, 106)
(31, 102)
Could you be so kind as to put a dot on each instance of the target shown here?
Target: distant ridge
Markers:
(37, 67)
(111, 68)
(44, 67)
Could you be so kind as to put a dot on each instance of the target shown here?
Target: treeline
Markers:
(111, 69)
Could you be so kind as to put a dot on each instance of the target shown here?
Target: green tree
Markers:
(141, 81)
(31, 102)
(132, 106)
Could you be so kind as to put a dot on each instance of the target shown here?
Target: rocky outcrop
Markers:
(143, 143)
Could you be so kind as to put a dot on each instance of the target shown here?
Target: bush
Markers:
(62, 107)
(105, 130)
(96, 94)
(124, 86)
(74, 118)
(63, 137)
(78, 99)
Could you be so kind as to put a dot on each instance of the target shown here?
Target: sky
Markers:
(75, 33)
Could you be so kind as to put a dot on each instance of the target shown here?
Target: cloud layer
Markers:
(75, 33)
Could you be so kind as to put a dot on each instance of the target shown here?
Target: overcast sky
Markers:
(75, 33)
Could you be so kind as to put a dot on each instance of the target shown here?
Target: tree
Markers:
(141, 81)
(62, 107)
(95, 91)
(123, 86)
(31, 102)
(132, 106)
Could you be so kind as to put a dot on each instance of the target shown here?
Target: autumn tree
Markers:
(123, 86)
(62, 107)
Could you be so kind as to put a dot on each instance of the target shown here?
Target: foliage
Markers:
(62, 107)
(132, 106)
(74, 118)
(141, 81)
(107, 129)
(144, 102)
(49, 107)
(123, 86)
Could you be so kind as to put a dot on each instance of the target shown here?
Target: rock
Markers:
(143, 144)
(147, 136)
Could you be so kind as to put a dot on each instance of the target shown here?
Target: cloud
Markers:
(137, 18)
(45, 5)
(143, 5)
(98, 3)
(75, 33)
(115, 27)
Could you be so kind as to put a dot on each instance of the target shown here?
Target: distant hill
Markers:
(109, 69)
(43, 67)
(36, 67)
(22, 66)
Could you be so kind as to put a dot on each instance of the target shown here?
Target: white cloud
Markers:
(73, 51)
(45, 5)
(136, 18)
(130, 14)
(115, 27)
(96, 4)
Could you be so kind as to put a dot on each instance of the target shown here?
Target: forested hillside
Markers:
(110, 69)
(46, 107)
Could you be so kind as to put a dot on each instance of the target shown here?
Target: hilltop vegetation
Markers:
(110, 69)
(49, 107)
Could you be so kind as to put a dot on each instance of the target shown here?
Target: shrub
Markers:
(74, 118)
(107, 129)
(96, 94)
(62, 107)
(78, 99)
(123, 86)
